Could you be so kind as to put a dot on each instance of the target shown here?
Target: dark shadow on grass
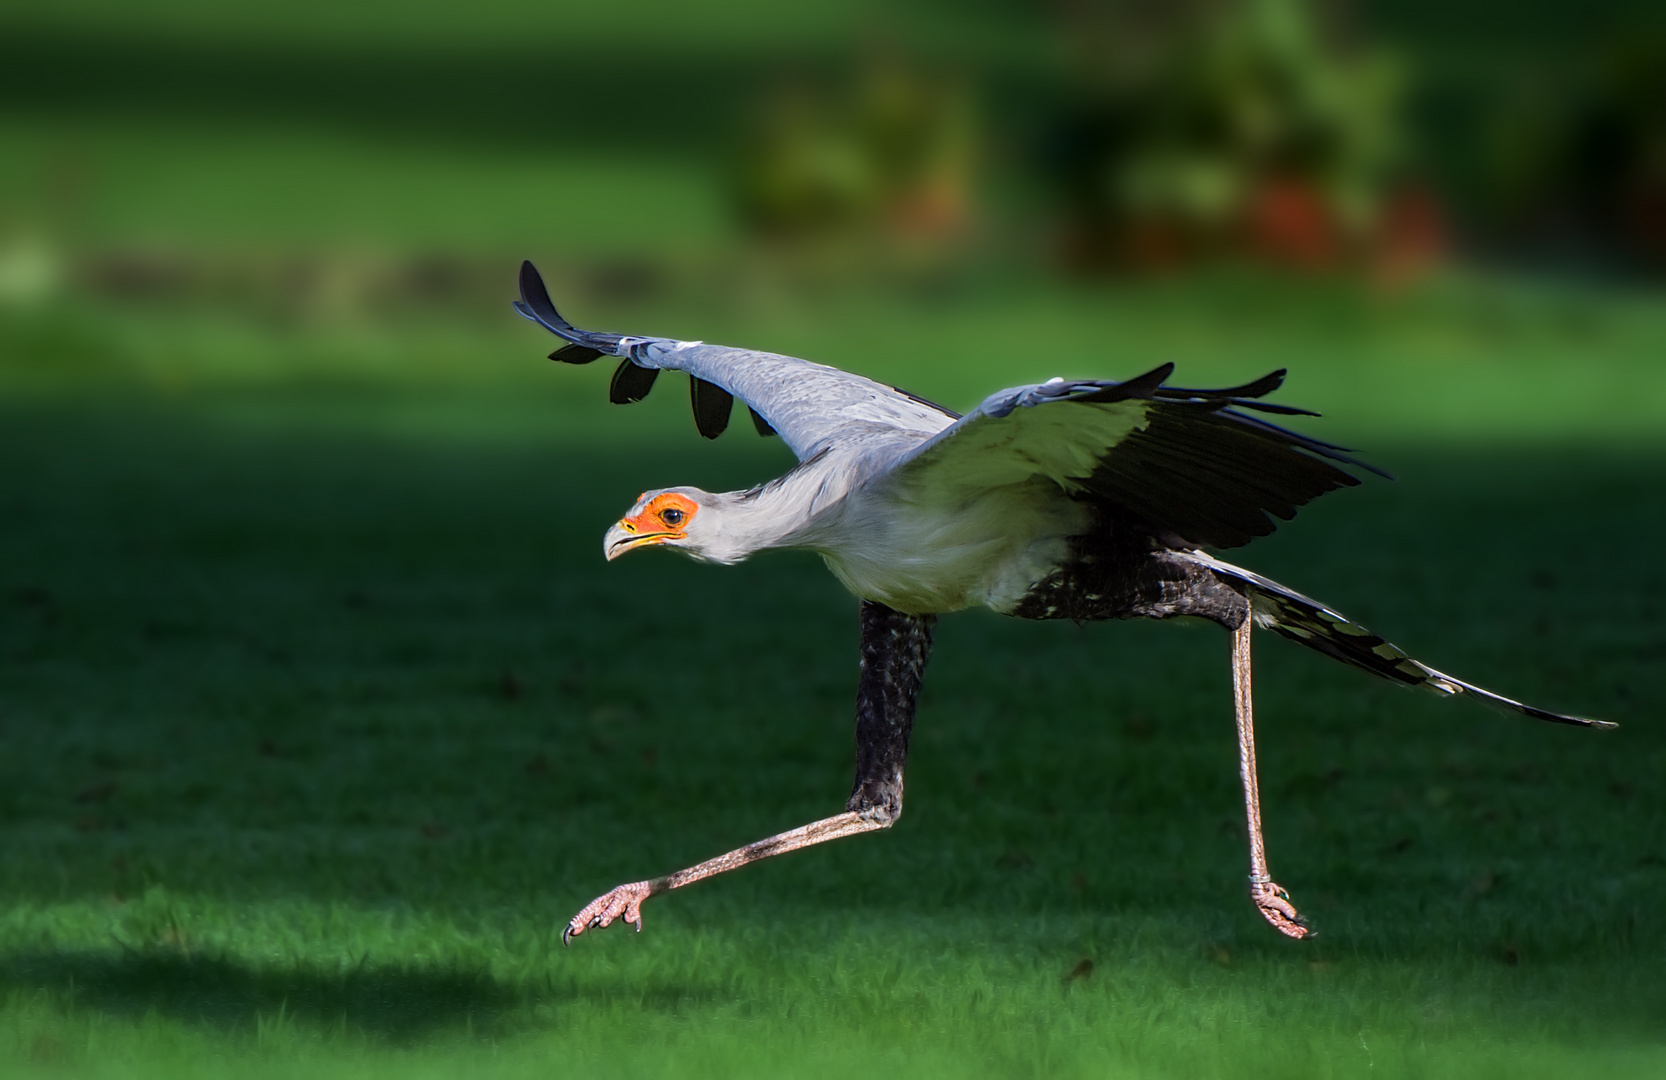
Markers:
(363, 602)
(394, 1002)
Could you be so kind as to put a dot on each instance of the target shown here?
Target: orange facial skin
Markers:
(666, 517)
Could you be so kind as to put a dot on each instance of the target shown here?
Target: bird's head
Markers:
(675, 517)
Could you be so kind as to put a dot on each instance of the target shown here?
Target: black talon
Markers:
(567, 935)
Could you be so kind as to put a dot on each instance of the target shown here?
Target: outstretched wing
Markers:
(1187, 465)
(809, 405)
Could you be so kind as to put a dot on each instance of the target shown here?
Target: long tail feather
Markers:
(1303, 619)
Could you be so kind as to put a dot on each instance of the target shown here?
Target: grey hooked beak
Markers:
(625, 536)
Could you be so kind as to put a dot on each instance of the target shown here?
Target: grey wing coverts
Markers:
(811, 406)
(1188, 466)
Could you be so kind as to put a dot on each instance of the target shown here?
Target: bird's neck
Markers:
(791, 511)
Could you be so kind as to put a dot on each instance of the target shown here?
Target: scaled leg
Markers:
(1273, 901)
(894, 651)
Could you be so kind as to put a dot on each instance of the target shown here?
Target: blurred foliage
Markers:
(314, 161)
(884, 159)
(1579, 158)
(1248, 127)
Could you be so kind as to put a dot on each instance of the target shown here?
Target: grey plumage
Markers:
(1131, 471)
(1082, 499)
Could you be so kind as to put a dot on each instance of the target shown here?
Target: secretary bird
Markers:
(1068, 499)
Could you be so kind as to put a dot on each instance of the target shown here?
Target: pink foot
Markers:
(1277, 909)
(625, 900)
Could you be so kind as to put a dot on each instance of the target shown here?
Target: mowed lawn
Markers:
(320, 714)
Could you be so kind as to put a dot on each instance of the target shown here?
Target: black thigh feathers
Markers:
(1118, 572)
(894, 651)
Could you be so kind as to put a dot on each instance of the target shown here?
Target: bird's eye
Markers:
(672, 516)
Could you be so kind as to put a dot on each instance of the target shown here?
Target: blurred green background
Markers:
(320, 712)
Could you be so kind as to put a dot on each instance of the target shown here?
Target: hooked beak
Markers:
(627, 535)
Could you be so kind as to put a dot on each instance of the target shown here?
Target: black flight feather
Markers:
(711, 404)
(760, 423)
(536, 301)
(535, 304)
(631, 383)
(1267, 407)
(1266, 384)
(1140, 386)
(575, 354)
(1148, 386)
(1212, 476)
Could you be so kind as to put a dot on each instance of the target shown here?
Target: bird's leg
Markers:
(625, 901)
(1273, 901)
(894, 651)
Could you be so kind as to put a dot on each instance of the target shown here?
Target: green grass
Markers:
(320, 713)
(323, 714)
(171, 184)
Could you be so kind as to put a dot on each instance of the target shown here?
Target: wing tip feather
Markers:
(630, 383)
(712, 406)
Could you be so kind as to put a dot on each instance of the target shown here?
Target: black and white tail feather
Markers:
(1300, 618)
